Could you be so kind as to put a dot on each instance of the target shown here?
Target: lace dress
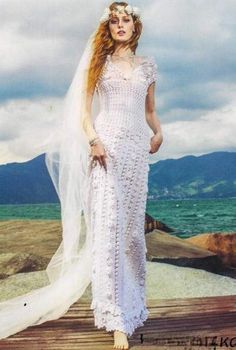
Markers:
(117, 199)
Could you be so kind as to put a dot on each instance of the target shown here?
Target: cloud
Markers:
(213, 131)
(194, 44)
(25, 123)
(26, 126)
(40, 46)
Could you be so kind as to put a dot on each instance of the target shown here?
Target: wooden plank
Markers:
(170, 322)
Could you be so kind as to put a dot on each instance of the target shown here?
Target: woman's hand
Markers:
(155, 143)
(98, 153)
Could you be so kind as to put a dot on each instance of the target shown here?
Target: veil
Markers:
(69, 270)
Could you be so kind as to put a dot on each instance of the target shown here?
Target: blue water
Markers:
(191, 217)
(186, 217)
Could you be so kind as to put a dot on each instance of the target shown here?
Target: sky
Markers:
(193, 42)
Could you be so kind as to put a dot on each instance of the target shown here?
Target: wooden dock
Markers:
(172, 324)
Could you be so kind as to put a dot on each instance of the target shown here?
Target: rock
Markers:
(12, 263)
(152, 224)
(222, 244)
(38, 237)
(163, 247)
(22, 283)
(165, 281)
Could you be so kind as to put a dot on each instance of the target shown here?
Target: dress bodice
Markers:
(122, 93)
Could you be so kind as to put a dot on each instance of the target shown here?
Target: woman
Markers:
(120, 143)
(100, 171)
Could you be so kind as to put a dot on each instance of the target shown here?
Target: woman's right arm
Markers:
(87, 121)
(97, 149)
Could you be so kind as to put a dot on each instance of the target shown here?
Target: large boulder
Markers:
(166, 248)
(152, 224)
(22, 282)
(12, 263)
(222, 244)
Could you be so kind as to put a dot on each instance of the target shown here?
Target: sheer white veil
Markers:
(69, 270)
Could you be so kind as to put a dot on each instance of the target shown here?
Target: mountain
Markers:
(29, 182)
(211, 175)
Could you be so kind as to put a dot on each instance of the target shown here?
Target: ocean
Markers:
(186, 217)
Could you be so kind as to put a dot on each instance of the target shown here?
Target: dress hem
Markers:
(105, 318)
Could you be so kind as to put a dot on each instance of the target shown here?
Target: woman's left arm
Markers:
(152, 119)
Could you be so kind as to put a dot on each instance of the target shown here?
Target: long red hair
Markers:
(104, 44)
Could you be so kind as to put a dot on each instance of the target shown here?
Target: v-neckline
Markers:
(120, 70)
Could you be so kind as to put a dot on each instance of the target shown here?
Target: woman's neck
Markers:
(121, 52)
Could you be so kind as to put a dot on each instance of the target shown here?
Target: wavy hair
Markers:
(104, 44)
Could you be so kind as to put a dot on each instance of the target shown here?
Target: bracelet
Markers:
(94, 141)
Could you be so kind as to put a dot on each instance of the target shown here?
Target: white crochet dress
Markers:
(117, 199)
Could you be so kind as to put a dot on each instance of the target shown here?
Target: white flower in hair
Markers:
(105, 15)
(136, 11)
(133, 9)
(120, 8)
(129, 9)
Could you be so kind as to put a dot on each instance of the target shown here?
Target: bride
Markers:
(99, 167)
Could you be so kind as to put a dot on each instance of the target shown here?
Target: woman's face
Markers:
(123, 23)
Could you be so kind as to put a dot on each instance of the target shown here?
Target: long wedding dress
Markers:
(117, 198)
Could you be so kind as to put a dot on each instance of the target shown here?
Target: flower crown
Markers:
(120, 9)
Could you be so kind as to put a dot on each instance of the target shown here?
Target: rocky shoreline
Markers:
(204, 265)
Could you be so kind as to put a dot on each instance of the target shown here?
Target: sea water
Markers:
(186, 217)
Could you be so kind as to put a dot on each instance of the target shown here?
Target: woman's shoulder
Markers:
(147, 59)
(150, 67)
(151, 59)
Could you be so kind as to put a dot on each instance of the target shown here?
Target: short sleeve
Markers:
(151, 70)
